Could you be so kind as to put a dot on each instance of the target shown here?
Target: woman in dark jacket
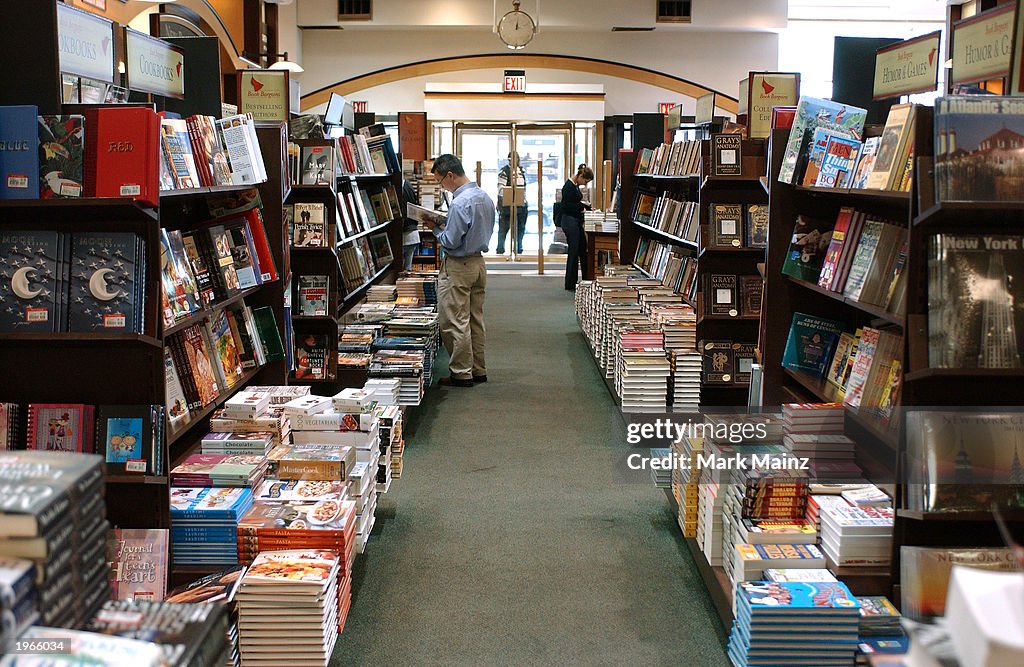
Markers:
(572, 222)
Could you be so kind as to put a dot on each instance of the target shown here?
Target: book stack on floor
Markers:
(678, 322)
(381, 294)
(354, 341)
(786, 623)
(857, 532)
(413, 329)
(53, 525)
(204, 524)
(815, 431)
(662, 477)
(221, 470)
(642, 370)
(880, 629)
(288, 608)
(392, 445)
(407, 366)
(362, 482)
(421, 346)
(220, 589)
(188, 634)
(685, 488)
(619, 317)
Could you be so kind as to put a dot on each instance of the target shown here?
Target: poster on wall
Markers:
(765, 91)
(154, 66)
(86, 44)
(265, 93)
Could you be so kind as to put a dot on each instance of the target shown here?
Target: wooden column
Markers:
(540, 217)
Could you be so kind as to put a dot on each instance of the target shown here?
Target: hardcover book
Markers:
(220, 240)
(865, 163)
(757, 226)
(840, 236)
(979, 148)
(838, 162)
(925, 574)
(807, 249)
(309, 230)
(19, 156)
(243, 254)
(179, 287)
(810, 343)
(225, 349)
(726, 225)
(29, 270)
(125, 437)
(123, 154)
(317, 166)
(42, 488)
(718, 362)
(60, 427)
(188, 635)
(727, 152)
(217, 587)
(200, 362)
(313, 293)
(751, 292)
(970, 326)
(891, 155)
(311, 351)
(138, 563)
(722, 299)
(104, 282)
(743, 360)
(176, 149)
(810, 114)
(61, 156)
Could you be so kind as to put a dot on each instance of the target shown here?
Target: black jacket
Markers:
(572, 200)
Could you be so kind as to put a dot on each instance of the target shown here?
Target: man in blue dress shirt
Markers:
(463, 276)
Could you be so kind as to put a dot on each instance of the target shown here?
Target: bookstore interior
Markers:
(778, 421)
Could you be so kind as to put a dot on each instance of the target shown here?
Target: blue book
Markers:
(810, 343)
(811, 113)
(29, 270)
(799, 598)
(19, 152)
(182, 534)
(104, 276)
(838, 162)
(210, 503)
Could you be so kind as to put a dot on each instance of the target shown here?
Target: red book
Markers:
(264, 257)
(782, 117)
(123, 154)
(830, 267)
(199, 152)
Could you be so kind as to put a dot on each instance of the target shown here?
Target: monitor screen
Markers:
(339, 113)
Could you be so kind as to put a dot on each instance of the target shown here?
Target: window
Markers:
(674, 11)
(357, 10)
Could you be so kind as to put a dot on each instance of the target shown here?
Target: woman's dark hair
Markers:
(586, 172)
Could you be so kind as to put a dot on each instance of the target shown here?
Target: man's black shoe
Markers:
(479, 378)
(454, 382)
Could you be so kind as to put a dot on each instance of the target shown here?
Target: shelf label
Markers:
(135, 465)
(154, 66)
(982, 45)
(265, 94)
(907, 67)
(86, 44)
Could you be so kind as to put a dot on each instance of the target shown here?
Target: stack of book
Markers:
(394, 343)
(385, 391)
(54, 517)
(856, 536)
(363, 490)
(601, 221)
(710, 500)
(642, 370)
(17, 598)
(381, 294)
(288, 608)
(662, 477)
(392, 445)
(405, 365)
(221, 470)
(243, 443)
(204, 524)
(219, 588)
(815, 431)
(420, 286)
(752, 560)
(187, 633)
(684, 482)
(776, 621)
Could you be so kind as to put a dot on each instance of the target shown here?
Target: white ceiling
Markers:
(867, 10)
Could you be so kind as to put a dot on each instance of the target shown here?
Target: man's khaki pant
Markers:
(460, 292)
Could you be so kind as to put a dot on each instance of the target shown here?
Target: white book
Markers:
(307, 405)
(235, 136)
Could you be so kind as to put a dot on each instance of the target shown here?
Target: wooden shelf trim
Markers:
(896, 198)
(870, 309)
(671, 238)
(66, 338)
(365, 232)
(965, 374)
(206, 190)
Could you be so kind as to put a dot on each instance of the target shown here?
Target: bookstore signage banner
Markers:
(154, 66)
(265, 94)
(765, 91)
(982, 45)
(86, 44)
(907, 67)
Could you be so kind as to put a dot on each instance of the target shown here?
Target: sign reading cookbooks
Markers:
(982, 45)
(86, 43)
(765, 91)
(154, 66)
(907, 67)
(265, 93)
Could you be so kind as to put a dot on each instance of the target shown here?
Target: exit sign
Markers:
(360, 106)
(665, 107)
(515, 81)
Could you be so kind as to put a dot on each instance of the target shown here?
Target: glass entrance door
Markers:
(483, 150)
(545, 154)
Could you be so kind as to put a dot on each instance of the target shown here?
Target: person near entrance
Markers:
(505, 209)
(572, 223)
(462, 279)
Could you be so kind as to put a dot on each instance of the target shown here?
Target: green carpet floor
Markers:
(511, 537)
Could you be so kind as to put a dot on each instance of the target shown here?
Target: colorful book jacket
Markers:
(61, 156)
(789, 597)
(60, 427)
(810, 114)
(104, 282)
(810, 343)
(30, 277)
(138, 563)
(807, 249)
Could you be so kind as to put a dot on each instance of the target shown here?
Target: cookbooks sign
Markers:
(86, 44)
(264, 94)
(154, 66)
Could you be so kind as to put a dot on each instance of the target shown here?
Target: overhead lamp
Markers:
(284, 63)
